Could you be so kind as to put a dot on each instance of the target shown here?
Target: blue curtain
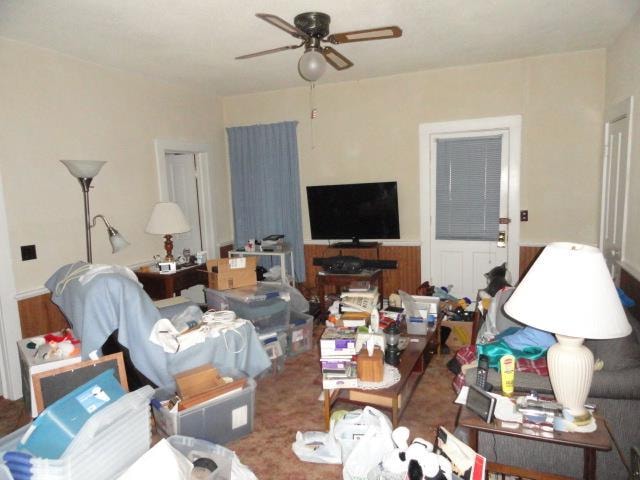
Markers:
(265, 183)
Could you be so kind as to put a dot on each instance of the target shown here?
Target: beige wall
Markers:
(56, 107)
(623, 80)
(368, 131)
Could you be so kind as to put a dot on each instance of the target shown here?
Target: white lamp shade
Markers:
(167, 218)
(569, 291)
(83, 168)
(312, 65)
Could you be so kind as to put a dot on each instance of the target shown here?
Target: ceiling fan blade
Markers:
(282, 24)
(364, 35)
(335, 59)
(266, 52)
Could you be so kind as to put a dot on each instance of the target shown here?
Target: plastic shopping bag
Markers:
(365, 437)
(317, 447)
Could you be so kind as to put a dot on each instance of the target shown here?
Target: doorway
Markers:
(469, 201)
(615, 185)
(185, 175)
(182, 181)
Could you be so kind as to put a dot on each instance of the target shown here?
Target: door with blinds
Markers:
(469, 195)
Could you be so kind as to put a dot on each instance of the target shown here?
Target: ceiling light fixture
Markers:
(312, 64)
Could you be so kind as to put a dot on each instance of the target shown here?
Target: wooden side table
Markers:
(166, 285)
(374, 277)
(590, 443)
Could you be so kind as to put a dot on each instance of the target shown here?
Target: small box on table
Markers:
(428, 308)
(227, 273)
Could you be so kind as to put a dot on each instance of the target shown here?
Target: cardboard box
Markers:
(227, 273)
(460, 333)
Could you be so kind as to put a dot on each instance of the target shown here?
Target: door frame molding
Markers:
(426, 131)
(613, 113)
(10, 331)
(204, 160)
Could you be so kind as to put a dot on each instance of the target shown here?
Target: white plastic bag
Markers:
(365, 437)
(317, 447)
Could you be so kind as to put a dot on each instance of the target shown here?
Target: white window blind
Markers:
(468, 188)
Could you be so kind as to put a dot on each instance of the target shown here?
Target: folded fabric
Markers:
(496, 350)
(529, 337)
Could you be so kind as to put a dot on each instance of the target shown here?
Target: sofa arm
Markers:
(618, 384)
(524, 381)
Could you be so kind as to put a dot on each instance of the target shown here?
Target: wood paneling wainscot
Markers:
(528, 255)
(406, 277)
(39, 315)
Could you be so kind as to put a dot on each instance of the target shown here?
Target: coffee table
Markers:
(395, 398)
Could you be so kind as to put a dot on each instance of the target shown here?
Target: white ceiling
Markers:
(195, 41)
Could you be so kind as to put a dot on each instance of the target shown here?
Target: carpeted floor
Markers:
(288, 402)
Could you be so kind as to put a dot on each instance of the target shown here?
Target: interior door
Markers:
(469, 195)
(614, 193)
(183, 189)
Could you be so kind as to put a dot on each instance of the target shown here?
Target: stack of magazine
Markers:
(337, 353)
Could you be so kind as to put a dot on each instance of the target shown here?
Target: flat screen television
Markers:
(354, 211)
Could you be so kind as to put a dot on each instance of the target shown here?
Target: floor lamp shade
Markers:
(569, 291)
(83, 168)
(85, 171)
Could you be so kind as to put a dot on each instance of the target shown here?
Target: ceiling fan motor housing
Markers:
(314, 24)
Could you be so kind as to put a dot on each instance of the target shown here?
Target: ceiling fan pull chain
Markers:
(314, 112)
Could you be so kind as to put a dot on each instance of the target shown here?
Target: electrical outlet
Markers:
(28, 252)
(524, 215)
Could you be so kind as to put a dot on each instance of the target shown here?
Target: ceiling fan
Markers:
(312, 29)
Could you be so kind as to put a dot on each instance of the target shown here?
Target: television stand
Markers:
(357, 244)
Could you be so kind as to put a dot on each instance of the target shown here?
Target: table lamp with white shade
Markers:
(167, 219)
(568, 291)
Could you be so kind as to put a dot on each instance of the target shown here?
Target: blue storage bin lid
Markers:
(51, 433)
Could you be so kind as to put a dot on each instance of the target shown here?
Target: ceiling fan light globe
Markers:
(312, 65)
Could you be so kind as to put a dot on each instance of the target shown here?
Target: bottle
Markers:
(482, 371)
(507, 373)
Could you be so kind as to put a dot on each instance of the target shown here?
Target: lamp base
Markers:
(570, 371)
(168, 247)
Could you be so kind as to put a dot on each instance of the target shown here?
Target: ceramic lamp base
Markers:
(570, 371)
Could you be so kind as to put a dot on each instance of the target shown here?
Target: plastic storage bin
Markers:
(58, 425)
(428, 308)
(267, 315)
(300, 333)
(193, 448)
(108, 443)
(276, 346)
(219, 420)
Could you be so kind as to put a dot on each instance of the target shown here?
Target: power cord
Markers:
(224, 319)
(72, 273)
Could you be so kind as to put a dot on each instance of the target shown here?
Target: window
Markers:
(468, 188)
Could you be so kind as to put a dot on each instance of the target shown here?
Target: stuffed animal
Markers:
(416, 460)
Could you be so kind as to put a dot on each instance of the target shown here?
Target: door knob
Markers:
(502, 239)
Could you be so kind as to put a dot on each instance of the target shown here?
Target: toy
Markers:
(417, 460)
